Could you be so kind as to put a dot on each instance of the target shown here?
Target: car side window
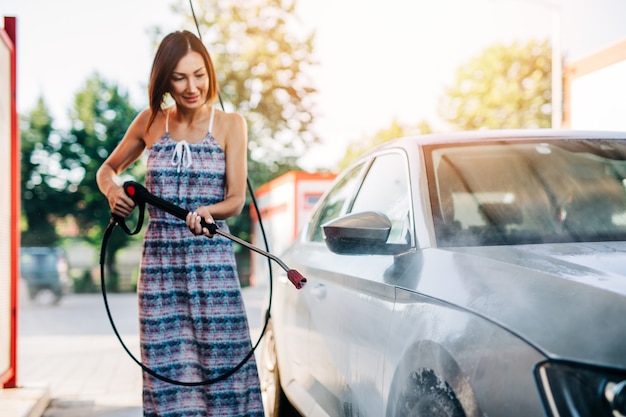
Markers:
(334, 203)
(386, 189)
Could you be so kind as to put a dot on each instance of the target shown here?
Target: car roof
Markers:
(501, 134)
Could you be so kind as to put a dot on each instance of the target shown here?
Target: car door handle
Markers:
(319, 291)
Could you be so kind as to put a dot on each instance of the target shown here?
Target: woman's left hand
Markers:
(193, 221)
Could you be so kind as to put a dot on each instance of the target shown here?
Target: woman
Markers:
(193, 325)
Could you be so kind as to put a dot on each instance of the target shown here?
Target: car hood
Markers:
(568, 300)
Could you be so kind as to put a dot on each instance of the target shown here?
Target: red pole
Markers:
(10, 29)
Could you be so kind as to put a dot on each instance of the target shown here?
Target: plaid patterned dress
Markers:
(192, 319)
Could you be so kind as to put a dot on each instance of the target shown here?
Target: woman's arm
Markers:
(123, 156)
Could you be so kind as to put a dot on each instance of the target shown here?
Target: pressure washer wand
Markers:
(139, 193)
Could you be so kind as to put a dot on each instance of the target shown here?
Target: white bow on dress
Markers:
(181, 155)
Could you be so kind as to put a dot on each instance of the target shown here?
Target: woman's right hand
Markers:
(193, 221)
(121, 204)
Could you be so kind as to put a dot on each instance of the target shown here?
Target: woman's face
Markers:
(190, 81)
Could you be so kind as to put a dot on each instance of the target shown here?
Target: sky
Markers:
(379, 60)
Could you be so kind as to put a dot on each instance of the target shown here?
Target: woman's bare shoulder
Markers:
(232, 123)
(229, 127)
(230, 118)
(151, 134)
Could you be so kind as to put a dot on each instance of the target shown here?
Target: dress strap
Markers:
(211, 120)
(167, 119)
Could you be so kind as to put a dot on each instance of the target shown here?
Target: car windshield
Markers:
(512, 192)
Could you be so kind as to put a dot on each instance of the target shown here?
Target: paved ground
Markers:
(70, 351)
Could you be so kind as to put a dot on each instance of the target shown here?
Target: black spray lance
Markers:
(139, 194)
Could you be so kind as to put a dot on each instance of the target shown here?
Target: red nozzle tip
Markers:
(296, 278)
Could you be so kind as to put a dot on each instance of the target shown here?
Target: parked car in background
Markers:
(45, 272)
(467, 274)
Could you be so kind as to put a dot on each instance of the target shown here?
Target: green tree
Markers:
(504, 87)
(47, 183)
(102, 112)
(262, 58)
(58, 168)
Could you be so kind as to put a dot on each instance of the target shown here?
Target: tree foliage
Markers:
(261, 55)
(47, 183)
(59, 167)
(101, 115)
(262, 58)
(504, 87)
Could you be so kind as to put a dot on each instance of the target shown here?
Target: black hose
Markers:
(105, 239)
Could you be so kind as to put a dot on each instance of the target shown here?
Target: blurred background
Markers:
(319, 82)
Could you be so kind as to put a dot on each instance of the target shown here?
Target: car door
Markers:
(351, 298)
(293, 309)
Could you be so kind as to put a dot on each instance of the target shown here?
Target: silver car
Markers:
(466, 274)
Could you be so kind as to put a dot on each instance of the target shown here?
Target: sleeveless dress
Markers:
(193, 321)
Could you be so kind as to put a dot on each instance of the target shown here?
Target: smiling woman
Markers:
(193, 324)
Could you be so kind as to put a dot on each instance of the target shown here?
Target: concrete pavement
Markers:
(70, 364)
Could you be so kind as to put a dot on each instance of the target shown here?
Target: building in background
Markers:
(594, 90)
(285, 204)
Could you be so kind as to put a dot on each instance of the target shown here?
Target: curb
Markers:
(24, 401)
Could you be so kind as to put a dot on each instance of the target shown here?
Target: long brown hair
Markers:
(172, 48)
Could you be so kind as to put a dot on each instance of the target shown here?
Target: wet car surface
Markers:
(467, 274)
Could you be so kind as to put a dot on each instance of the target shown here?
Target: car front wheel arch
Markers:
(429, 382)
(423, 394)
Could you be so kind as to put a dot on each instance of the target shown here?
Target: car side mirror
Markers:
(363, 233)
